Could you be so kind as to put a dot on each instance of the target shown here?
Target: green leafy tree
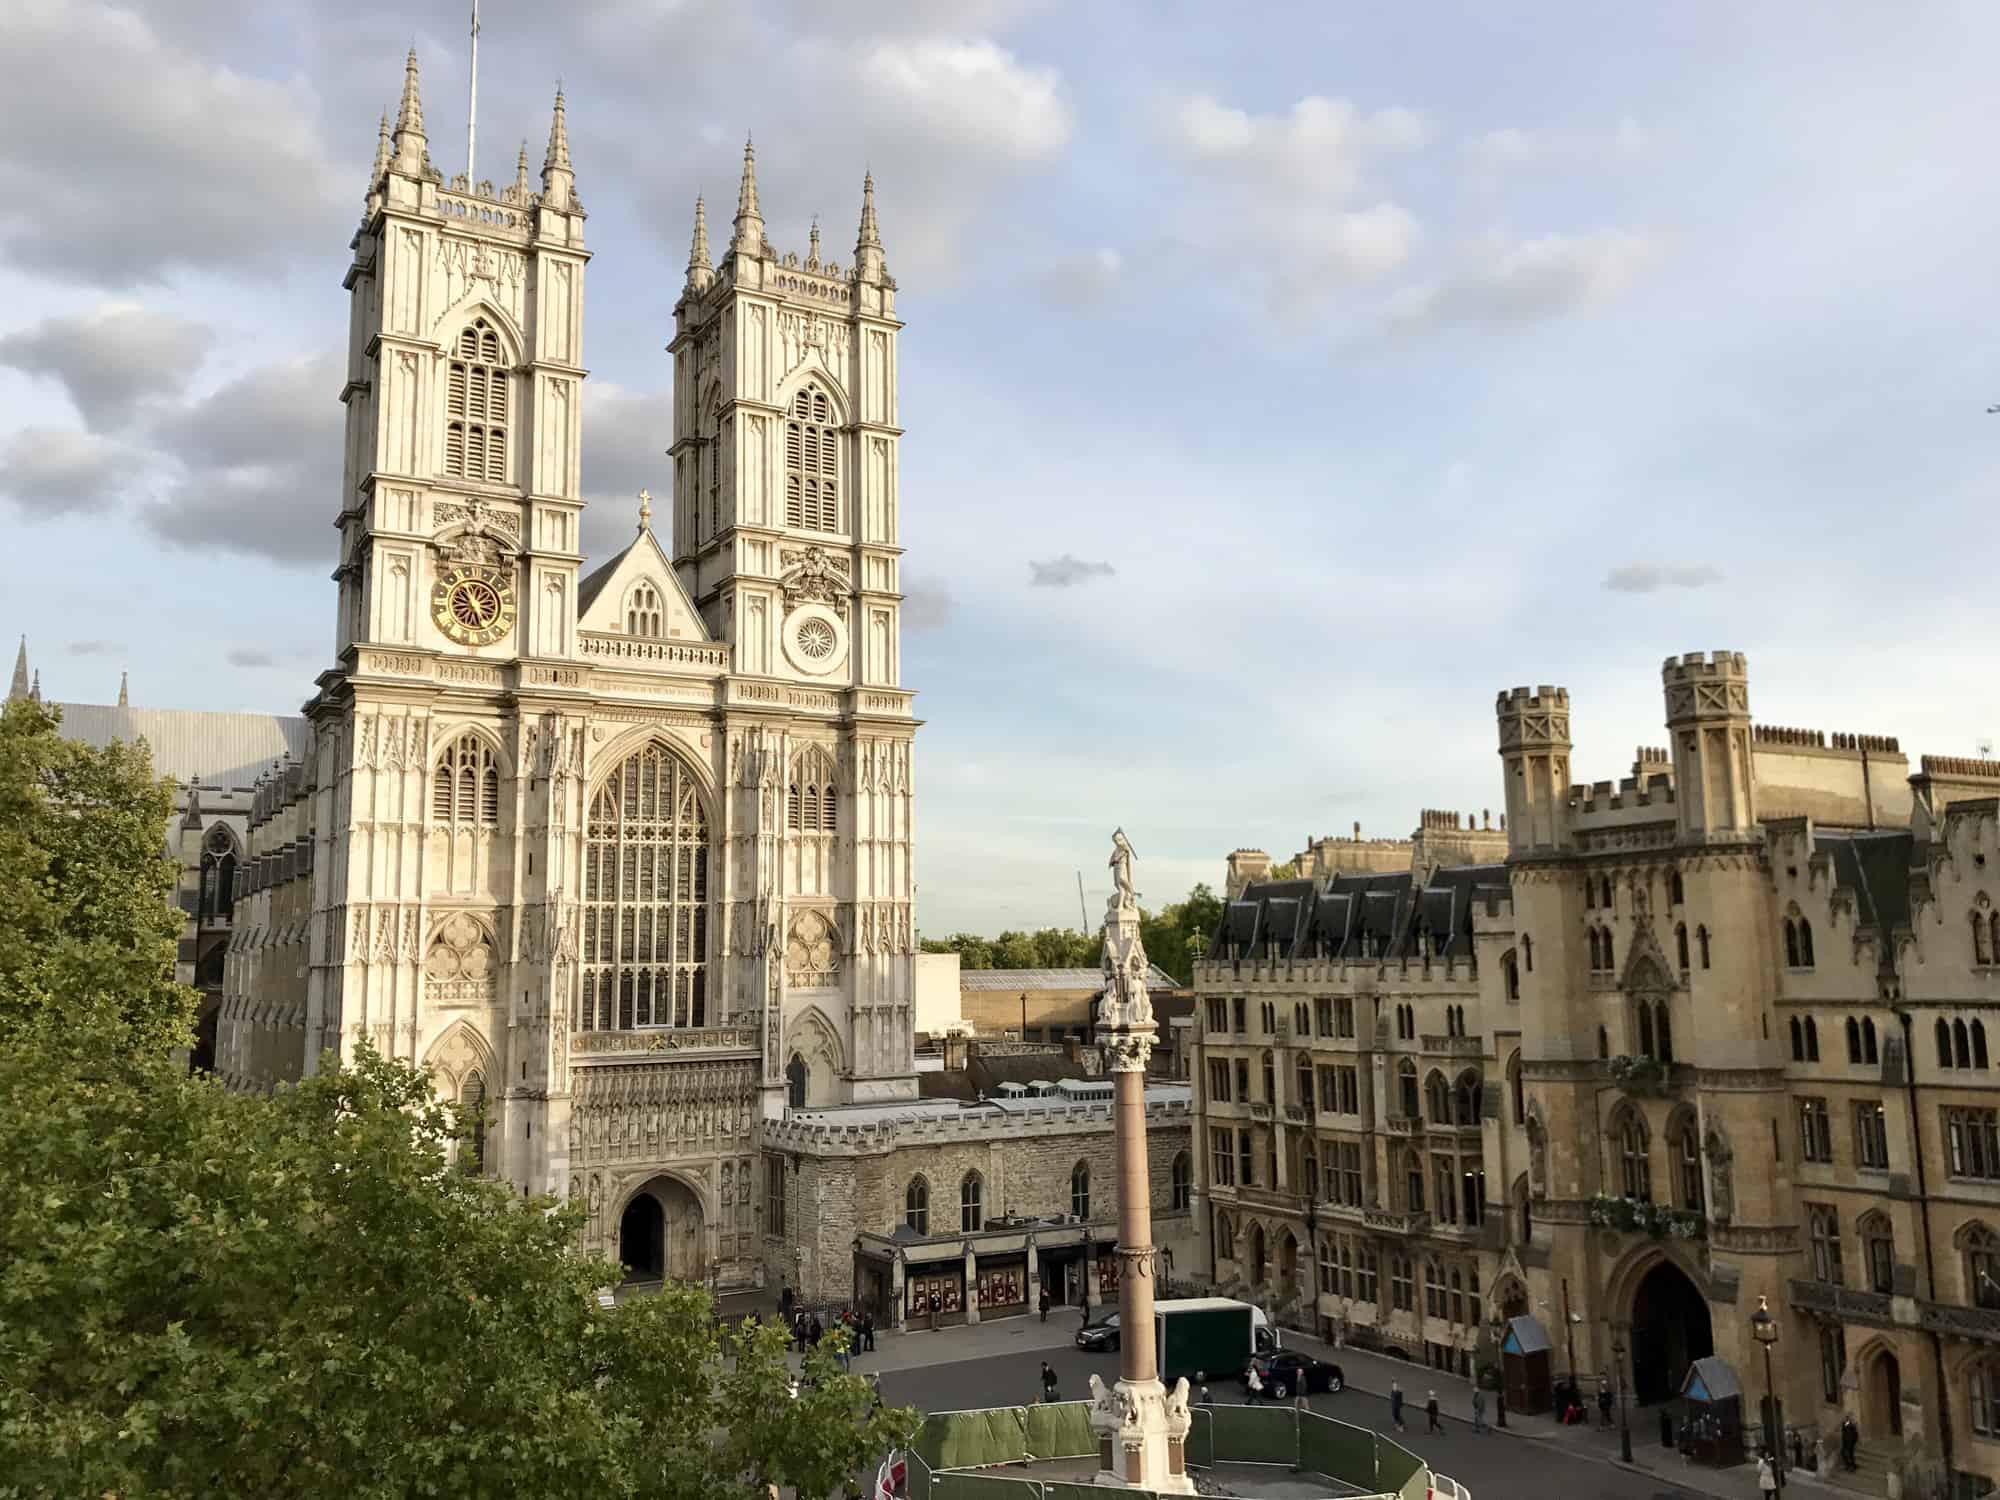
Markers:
(1015, 950)
(87, 921)
(215, 1294)
(973, 951)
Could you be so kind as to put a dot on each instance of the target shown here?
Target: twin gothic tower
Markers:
(626, 855)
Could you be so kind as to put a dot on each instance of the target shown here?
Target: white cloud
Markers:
(1289, 180)
(969, 94)
(59, 471)
(1084, 279)
(1506, 282)
(1514, 146)
(112, 359)
(126, 156)
(1647, 578)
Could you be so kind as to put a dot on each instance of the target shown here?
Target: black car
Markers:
(1098, 1337)
(1288, 1370)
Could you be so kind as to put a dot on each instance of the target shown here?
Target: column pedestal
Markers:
(1142, 1430)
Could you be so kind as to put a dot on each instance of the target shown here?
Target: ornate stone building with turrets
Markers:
(1703, 1040)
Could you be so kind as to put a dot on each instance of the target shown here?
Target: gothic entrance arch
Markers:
(1670, 1330)
(1882, 1398)
(660, 1233)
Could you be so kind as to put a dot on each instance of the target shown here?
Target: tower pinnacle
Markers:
(749, 236)
(18, 688)
(523, 188)
(868, 243)
(701, 271)
(412, 150)
(382, 153)
(812, 246)
(558, 181)
(124, 690)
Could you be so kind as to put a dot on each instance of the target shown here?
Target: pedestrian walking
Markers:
(1253, 1387)
(937, 1304)
(875, 1388)
(1850, 1442)
(1048, 1382)
(1478, 1409)
(785, 1303)
(815, 1331)
(1431, 1414)
(1045, 1304)
(1396, 1404)
(868, 1331)
(1767, 1478)
(799, 1330)
(1604, 1399)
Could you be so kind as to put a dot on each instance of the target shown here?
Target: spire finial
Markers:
(523, 188)
(645, 510)
(558, 181)
(701, 271)
(35, 692)
(19, 687)
(412, 150)
(749, 236)
(124, 690)
(382, 152)
(868, 243)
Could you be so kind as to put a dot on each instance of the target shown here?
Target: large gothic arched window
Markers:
(218, 873)
(645, 892)
(812, 463)
(475, 426)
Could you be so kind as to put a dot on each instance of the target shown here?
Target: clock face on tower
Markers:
(473, 603)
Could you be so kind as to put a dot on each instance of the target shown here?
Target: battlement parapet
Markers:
(832, 1137)
(1652, 755)
(1960, 765)
(1783, 737)
(1440, 820)
(1523, 699)
(1693, 666)
(1623, 802)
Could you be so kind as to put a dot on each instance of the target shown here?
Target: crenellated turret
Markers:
(1708, 717)
(1534, 749)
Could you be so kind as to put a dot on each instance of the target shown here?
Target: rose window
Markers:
(816, 640)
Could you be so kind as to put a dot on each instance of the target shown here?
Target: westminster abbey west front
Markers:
(624, 855)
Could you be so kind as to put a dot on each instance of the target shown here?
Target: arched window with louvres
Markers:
(476, 406)
(812, 462)
(465, 784)
(812, 800)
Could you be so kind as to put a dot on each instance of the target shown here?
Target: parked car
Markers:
(1287, 1370)
(1100, 1336)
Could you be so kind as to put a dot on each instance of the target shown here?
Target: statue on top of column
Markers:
(1121, 870)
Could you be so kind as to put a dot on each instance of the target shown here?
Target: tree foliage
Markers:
(1172, 938)
(87, 921)
(215, 1294)
(205, 1293)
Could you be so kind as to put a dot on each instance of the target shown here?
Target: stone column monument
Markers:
(1141, 1427)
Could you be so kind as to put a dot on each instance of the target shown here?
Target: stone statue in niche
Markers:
(1721, 1185)
(1538, 1153)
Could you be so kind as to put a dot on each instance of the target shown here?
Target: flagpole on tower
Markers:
(472, 104)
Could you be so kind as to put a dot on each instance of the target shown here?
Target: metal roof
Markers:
(1052, 979)
(216, 749)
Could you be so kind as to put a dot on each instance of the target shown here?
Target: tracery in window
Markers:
(645, 615)
(645, 918)
(465, 784)
(475, 432)
(812, 799)
(218, 873)
(1634, 1156)
(812, 463)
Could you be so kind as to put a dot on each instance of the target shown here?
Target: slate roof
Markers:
(984, 1075)
(216, 749)
(1380, 915)
(1875, 866)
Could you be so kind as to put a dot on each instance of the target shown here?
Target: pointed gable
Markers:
(640, 582)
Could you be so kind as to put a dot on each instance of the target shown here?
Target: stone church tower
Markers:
(624, 858)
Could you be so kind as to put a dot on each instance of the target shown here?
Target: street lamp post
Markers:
(1624, 1426)
(1765, 1329)
(1312, 1251)
(1500, 1364)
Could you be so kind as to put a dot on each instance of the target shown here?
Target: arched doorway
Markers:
(660, 1233)
(1882, 1401)
(796, 1078)
(1670, 1330)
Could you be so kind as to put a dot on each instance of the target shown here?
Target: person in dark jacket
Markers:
(1431, 1414)
(814, 1332)
(1396, 1403)
(1850, 1442)
(1048, 1381)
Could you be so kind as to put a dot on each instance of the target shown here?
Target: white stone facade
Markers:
(618, 854)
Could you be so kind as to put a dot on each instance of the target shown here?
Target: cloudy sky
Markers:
(1280, 380)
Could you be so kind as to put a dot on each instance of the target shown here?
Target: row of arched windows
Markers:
(1961, 1046)
(1454, 1020)
(972, 1197)
(1653, 1028)
(1634, 1144)
(1406, 1022)
(1601, 960)
(1450, 1104)
(644, 614)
